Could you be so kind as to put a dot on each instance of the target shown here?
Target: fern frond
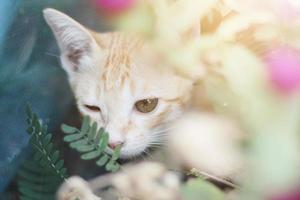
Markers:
(37, 182)
(43, 149)
(44, 171)
(91, 144)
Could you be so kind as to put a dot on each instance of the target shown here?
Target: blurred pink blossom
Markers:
(288, 9)
(284, 68)
(292, 195)
(114, 6)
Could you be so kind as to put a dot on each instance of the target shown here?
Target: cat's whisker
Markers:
(158, 143)
(51, 54)
(159, 136)
(164, 130)
(147, 153)
(160, 132)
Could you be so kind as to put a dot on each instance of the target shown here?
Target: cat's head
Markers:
(117, 84)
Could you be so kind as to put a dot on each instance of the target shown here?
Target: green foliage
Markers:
(43, 172)
(198, 188)
(91, 144)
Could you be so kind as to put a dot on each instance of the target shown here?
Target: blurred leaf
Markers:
(85, 124)
(197, 189)
(92, 131)
(115, 167)
(103, 141)
(116, 153)
(103, 160)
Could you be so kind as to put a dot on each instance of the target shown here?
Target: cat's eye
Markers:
(93, 108)
(146, 105)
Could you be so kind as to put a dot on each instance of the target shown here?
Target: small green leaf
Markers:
(36, 123)
(68, 129)
(73, 137)
(85, 124)
(63, 171)
(103, 141)
(49, 148)
(81, 142)
(91, 155)
(116, 153)
(110, 166)
(103, 160)
(98, 136)
(55, 156)
(85, 148)
(59, 164)
(47, 139)
(93, 131)
(115, 167)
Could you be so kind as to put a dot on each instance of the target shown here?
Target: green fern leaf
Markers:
(92, 144)
(93, 131)
(47, 139)
(103, 141)
(59, 164)
(85, 148)
(68, 129)
(85, 124)
(78, 143)
(73, 137)
(43, 172)
(103, 160)
(115, 167)
(91, 155)
(116, 153)
(55, 156)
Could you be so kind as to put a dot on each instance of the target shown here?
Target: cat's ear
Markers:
(75, 42)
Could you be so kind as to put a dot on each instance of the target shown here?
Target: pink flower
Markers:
(284, 68)
(114, 6)
(287, 9)
(292, 195)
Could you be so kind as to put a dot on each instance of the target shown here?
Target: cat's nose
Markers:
(113, 145)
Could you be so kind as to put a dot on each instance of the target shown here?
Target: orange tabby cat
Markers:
(118, 85)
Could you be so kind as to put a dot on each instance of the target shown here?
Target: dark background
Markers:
(30, 72)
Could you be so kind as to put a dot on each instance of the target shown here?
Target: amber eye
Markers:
(146, 105)
(93, 108)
